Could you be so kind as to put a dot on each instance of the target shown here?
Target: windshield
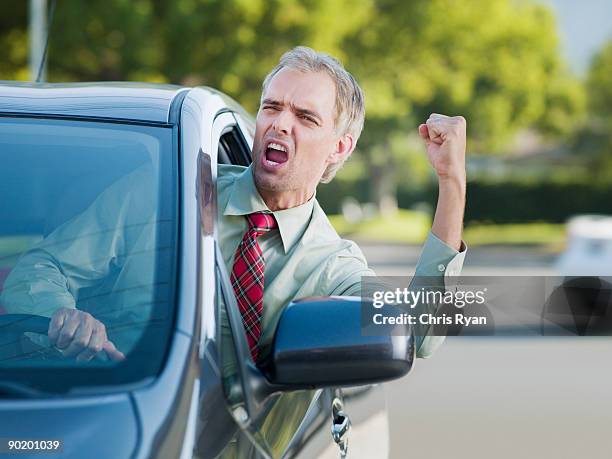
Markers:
(88, 223)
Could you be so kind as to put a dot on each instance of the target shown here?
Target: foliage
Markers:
(498, 202)
(593, 141)
(494, 61)
(14, 43)
(515, 202)
(599, 84)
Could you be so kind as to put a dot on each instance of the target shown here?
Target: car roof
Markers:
(144, 102)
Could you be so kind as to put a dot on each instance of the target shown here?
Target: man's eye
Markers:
(270, 107)
(308, 118)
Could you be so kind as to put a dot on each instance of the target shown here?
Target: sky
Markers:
(584, 26)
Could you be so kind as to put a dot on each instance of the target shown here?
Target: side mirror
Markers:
(319, 342)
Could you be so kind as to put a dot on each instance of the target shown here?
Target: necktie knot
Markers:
(261, 222)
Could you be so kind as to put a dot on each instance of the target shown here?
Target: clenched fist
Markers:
(445, 139)
(78, 334)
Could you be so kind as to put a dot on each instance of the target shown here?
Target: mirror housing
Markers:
(319, 343)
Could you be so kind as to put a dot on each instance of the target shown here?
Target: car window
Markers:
(233, 148)
(247, 127)
(88, 222)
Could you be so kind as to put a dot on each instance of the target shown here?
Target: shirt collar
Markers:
(245, 199)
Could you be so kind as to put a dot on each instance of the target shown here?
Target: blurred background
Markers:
(534, 80)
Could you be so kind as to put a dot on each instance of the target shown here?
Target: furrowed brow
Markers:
(305, 111)
(274, 102)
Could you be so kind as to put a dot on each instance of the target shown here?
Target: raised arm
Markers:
(445, 140)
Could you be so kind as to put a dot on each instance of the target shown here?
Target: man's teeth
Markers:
(277, 147)
(271, 163)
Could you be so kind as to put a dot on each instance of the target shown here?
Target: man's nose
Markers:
(282, 122)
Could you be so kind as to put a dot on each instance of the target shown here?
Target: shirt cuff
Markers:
(438, 258)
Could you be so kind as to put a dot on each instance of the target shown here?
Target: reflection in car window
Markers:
(232, 386)
(89, 223)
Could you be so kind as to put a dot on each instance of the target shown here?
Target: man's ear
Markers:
(344, 147)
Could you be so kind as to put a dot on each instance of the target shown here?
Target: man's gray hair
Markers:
(350, 105)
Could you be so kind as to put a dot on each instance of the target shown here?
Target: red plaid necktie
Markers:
(248, 276)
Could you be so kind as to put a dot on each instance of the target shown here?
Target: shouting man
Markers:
(275, 238)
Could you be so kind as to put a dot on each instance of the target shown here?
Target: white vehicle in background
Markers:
(589, 247)
(580, 300)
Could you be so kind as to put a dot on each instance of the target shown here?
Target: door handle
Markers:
(341, 425)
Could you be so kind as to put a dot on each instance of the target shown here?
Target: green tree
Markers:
(14, 42)
(594, 143)
(493, 61)
(233, 44)
(105, 40)
(599, 84)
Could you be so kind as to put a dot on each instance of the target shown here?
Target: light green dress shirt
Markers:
(306, 257)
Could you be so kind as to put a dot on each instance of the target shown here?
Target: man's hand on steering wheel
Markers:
(78, 333)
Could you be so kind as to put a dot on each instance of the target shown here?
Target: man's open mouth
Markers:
(275, 154)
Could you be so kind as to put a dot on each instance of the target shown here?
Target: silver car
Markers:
(109, 204)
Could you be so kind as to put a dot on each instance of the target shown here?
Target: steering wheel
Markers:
(12, 329)
(14, 345)
(23, 323)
